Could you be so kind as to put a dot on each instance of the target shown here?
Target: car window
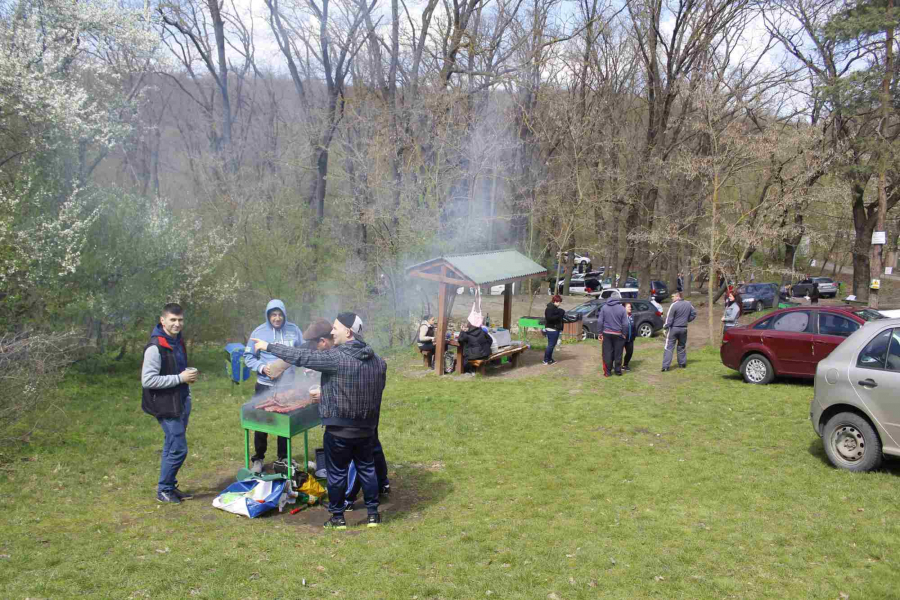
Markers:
(584, 309)
(867, 314)
(765, 324)
(832, 324)
(797, 321)
(629, 294)
(873, 355)
(744, 289)
(640, 306)
(893, 356)
(823, 280)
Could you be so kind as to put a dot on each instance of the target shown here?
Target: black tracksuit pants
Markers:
(612, 353)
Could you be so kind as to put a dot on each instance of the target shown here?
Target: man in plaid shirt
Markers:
(353, 379)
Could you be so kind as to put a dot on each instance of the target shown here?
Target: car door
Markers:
(875, 377)
(790, 341)
(590, 320)
(833, 329)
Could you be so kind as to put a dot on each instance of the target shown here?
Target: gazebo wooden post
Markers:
(441, 333)
(507, 306)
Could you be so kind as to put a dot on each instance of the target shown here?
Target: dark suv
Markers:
(659, 291)
(647, 320)
(757, 296)
(827, 287)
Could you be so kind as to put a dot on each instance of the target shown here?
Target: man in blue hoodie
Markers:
(612, 324)
(276, 329)
(353, 379)
(165, 379)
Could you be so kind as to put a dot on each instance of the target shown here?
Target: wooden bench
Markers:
(512, 352)
(426, 357)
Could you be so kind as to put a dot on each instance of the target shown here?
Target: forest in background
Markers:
(149, 152)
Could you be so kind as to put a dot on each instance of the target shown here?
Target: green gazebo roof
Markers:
(480, 268)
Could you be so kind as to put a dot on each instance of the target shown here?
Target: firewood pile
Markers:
(285, 401)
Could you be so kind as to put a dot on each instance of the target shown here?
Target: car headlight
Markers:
(749, 299)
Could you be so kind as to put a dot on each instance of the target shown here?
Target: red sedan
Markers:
(790, 341)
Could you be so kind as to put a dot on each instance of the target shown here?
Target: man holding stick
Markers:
(353, 379)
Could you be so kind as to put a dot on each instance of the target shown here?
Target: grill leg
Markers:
(290, 462)
(246, 448)
(306, 451)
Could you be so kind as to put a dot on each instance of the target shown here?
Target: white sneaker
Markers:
(257, 467)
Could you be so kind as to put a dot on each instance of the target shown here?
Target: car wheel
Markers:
(758, 307)
(645, 330)
(851, 443)
(757, 369)
(586, 333)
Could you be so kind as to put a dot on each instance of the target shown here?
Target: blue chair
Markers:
(234, 364)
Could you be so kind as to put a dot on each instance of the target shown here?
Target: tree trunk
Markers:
(877, 263)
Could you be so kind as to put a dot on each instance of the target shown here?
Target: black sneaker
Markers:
(374, 520)
(281, 466)
(385, 489)
(349, 506)
(169, 497)
(182, 495)
(664, 369)
(626, 369)
(336, 522)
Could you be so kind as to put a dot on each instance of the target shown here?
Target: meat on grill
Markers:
(285, 401)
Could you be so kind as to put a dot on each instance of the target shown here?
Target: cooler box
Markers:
(501, 337)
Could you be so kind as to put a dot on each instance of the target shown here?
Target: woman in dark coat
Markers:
(814, 294)
(553, 325)
(476, 344)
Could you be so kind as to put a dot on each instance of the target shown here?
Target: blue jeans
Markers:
(552, 339)
(338, 454)
(174, 448)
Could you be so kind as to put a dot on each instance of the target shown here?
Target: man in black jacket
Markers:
(353, 379)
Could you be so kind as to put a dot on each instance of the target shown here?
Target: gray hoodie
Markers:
(613, 318)
(288, 335)
(732, 314)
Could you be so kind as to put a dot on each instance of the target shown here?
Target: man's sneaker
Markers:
(336, 522)
(544, 362)
(349, 506)
(552, 361)
(182, 495)
(167, 497)
(626, 369)
(385, 489)
(374, 520)
(257, 467)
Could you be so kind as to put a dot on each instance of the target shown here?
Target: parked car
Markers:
(647, 319)
(757, 296)
(854, 408)
(659, 291)
(615, 293)
(790, 341)
(579, 258)
(629, 282)
(579, 284)
(827, 287)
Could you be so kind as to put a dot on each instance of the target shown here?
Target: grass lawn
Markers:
(688, 484)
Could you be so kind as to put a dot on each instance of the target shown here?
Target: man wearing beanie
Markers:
(353, 379)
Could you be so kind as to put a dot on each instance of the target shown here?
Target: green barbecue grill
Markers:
(286, 425)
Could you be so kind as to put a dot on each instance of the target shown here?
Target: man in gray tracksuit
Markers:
(681, 312)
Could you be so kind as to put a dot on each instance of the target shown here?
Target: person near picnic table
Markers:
(353, 380)
(553, 325)
(733, 309)
(630, 334)
(476, 344)
(425, 337)
(318, 337)
(166, 395)
(611, 324)
(276, 329)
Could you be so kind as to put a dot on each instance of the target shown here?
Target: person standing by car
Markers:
(553, 325)
(629, 337)
(814, 293)
(733, 310)
(681, 312)
(166, 395)
(611, 324)
(679, 283)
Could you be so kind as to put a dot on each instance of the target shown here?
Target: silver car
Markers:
(855, 408)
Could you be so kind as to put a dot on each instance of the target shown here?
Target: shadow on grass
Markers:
(891, 464)
(413, 489)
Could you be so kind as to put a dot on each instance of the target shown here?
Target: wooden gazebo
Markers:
(473, 270)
